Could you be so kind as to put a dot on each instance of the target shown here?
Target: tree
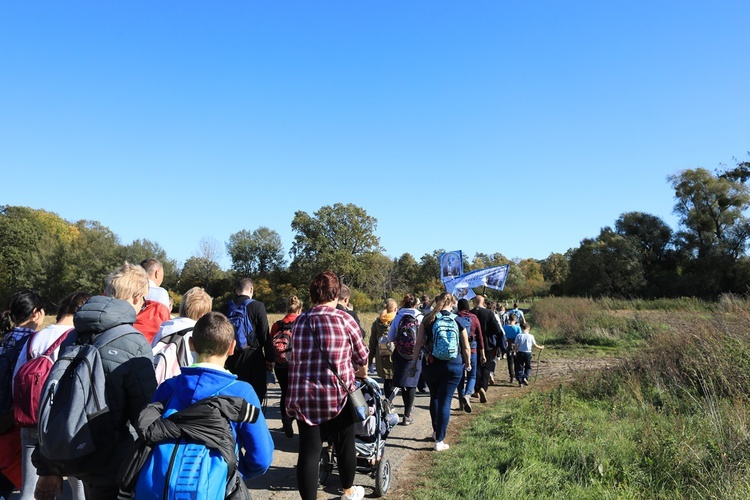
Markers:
(258, 252)
(609, 265)
(142, 249)
(555, 271)
(334, 237)
(711, 210)
(202, 272)
(405, 274)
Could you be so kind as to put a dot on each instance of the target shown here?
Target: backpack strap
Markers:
(114, 333)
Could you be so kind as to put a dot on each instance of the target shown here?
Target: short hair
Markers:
(478, 300)
(425, 298)
(512, 317)
(213, 334)
(244, 285)
(463, 305)
(71, 304)
(293, 305)
(344, 292)
(324, 288)
(515, 305)
(525, 326)
(409, 300)
(391, 305)
(126, 281)
(151, 266)
(195, 303)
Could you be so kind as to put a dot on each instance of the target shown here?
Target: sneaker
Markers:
(520, 383)
(358, 494)
(482, 396)
(511, 379)
(492, 378)
(407, 420)
(286, 425)
(467, 404)
(441, 446)
(525, 381)
(475, 394)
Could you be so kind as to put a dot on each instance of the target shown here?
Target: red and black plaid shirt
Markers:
(315, 394)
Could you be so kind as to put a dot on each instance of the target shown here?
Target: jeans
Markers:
(523, 365)
(29, 440)
(442, 378)
(468, 379)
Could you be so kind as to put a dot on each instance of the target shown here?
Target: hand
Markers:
(467, 368)
(482, 359)
(48, 487)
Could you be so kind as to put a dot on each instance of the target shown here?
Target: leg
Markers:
(451, 374)
(29, 440)
(408, 394)
(341, 430)
(76, 488)
(527, 371)
(310, 444)
(471, 379)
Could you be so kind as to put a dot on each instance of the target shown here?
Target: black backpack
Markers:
(10, 349)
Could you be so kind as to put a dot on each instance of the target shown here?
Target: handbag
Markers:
(356, 404)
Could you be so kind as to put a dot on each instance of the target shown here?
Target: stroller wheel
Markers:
(325, 466)
(383, 479)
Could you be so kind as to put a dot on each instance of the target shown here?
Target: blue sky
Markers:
(506, 126)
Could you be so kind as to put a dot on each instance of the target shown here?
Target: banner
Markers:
(491, 277)
(451, 265)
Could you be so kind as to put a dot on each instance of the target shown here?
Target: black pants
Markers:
(340, 432)
(100, 491)
(282, 377)
(483, 377)
(250, 366)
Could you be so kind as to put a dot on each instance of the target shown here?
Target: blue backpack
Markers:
(10, 349)
(243, 329)
(445, 336)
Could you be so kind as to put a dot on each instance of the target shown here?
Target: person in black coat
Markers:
(493, 341)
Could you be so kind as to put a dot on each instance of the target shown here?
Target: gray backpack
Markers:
(77, 434)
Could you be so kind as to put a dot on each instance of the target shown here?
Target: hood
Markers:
(102, 313)
(386, 317)
(198, 383)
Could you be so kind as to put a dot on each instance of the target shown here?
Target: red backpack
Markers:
(29, 381)
(150, 319)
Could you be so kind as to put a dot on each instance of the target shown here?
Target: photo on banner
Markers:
(451, 265)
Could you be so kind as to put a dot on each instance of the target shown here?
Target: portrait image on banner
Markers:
(451, 265)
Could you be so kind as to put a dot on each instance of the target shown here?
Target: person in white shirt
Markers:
(195, 304)
(155, 271)
(524, 342)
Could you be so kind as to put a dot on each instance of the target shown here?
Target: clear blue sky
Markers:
(505, 126)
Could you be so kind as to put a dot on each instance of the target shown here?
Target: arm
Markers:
(465, 348)
(418, 343)
(373, 344)
(255, 439)
(481, 356)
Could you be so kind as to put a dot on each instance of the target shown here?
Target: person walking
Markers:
(326, 346)
(284, 326)
(381, 350)
(525, 341)
(476, 343)
(403, 333)
(442, 372)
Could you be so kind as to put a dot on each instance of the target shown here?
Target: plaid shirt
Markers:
(315, 394)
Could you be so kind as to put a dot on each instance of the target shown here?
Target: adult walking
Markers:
(37, 346)
(494, 341)
(280, 368)
(405, 348)
(381, 350)
(326, 346)
(442, 375)
(476, 343)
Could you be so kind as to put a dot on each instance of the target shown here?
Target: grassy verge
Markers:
(670, 422)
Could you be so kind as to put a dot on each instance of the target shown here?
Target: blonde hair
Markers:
(391, 305)
(293, 304)
(127, 281)
(442, 301)
(195, 303)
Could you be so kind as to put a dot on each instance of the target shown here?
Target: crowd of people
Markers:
(205, 368)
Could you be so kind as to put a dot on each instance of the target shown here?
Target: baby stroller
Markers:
(369, 440)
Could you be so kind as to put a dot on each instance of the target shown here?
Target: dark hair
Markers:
(213, 334)
(324, 288)
(409, 300)
(151, 265)
(71, 304)
(21, 306)
(463, 305)
(244, 284)
(512, 317)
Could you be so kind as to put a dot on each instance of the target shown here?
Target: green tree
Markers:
(205, 273)
(405, 274)
(142, 249)
(334, 237)
(555, 270)
(256, 253)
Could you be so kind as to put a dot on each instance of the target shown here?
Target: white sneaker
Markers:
(359, 494)
(441, 446)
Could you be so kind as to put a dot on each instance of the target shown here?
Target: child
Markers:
(524, 343)
(213, 341)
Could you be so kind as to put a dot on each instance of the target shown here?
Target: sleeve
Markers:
(373, 344)
(255, 442)
(394, 327)
(259, 319)
(480, 336)
(140, 381)
(360, 353)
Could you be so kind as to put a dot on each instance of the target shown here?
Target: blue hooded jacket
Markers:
(200, 381)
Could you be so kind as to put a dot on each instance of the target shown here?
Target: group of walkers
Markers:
(164, 379)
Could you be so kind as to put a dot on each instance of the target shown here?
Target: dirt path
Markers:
(407, 447)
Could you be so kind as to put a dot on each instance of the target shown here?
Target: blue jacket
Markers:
(200, 381)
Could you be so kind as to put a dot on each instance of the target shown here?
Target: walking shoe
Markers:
(475, 394)
(520, 383)
(407, 420)
(511, 379)
(286, 425)
(482, 396)
(492, 378)
(525, 381)
(467, 404)
(358, 494)
(441, 446)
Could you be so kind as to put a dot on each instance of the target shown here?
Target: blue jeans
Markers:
(523, 365)
(442, 378)
(468, 380)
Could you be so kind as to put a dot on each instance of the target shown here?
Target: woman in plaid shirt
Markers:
(315, 396)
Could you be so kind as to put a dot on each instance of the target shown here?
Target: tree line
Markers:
(641, 256)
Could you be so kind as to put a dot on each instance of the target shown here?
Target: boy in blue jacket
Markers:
(213, 341)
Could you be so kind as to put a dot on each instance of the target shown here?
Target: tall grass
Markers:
(670, 422)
